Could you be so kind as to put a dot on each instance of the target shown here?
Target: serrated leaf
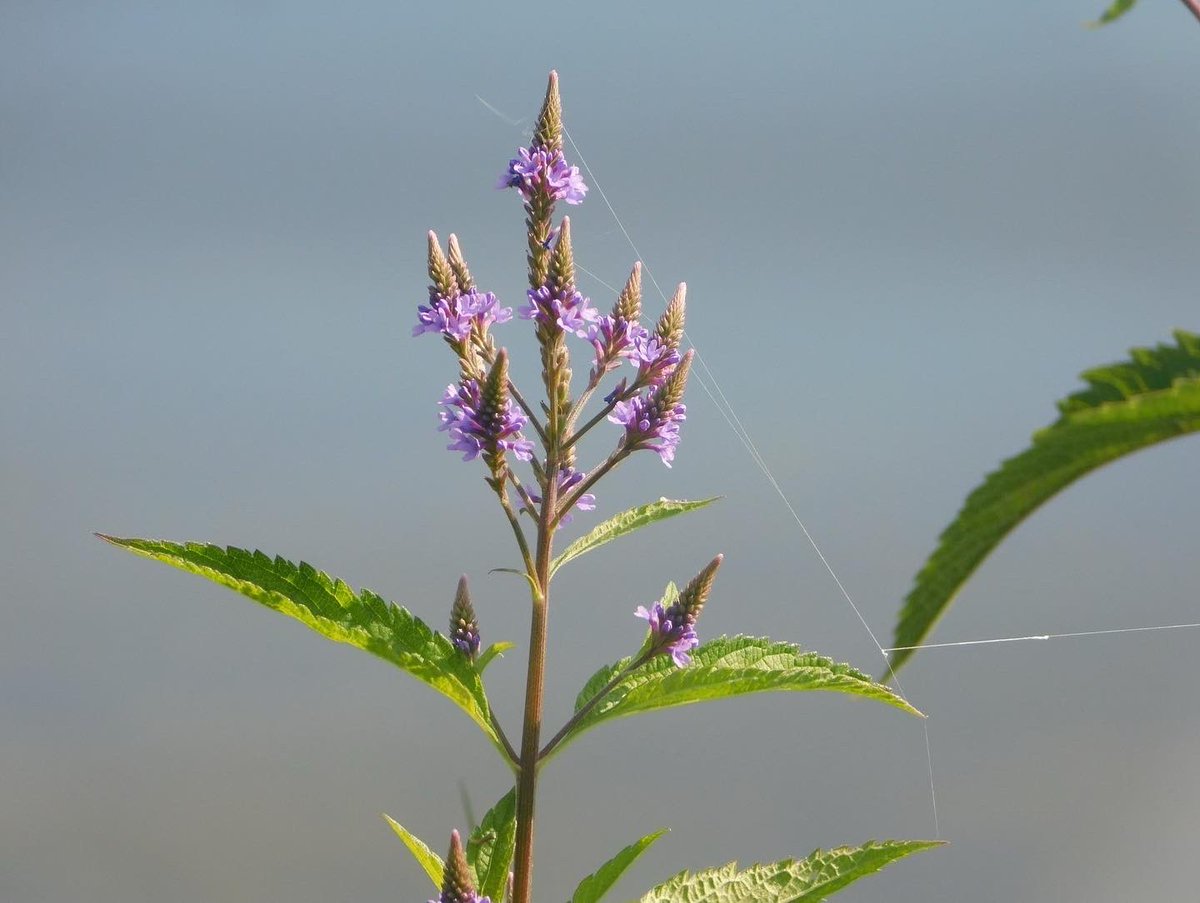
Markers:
(597, 884)
(492, 652)
(724, 667)
(337, 612)
(1153, 397)
(821, 875)
(1115, 10)
(625, 523)
(430, 861)
(491, 845)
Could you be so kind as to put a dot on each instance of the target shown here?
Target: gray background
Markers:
(905, 228)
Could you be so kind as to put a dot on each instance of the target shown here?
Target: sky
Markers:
(905, 230)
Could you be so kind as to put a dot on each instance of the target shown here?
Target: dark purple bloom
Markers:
(613, 338)
(538, 168)
(475, 428)
(654, 357)
(454, 317)
(649, 423)
(671, 630)
(569, 310)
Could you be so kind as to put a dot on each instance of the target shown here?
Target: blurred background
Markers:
(905, 229)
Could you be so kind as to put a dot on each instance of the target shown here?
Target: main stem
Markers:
(534, 685)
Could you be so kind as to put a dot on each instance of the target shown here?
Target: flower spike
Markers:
(457, 883)
(464, 627)
(458, 266)
(673, 628)
(670, 324)
(440, 274)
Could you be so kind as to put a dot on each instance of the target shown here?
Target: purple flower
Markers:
(454, 317)
(654, 357)
(538, 168)
(613, 338)
(671, 630)
(649, 423)
(568, 479)
(569, 310)
(476, 427)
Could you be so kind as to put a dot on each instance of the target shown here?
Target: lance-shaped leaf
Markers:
(724, 667)
(821, 875)
(625, 523)
(597, 884)
(334, 610)
(491, 846)
(1151, 398)
(430, 861)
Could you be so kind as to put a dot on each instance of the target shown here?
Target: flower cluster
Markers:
(652, 420)
(614, 338)
(670, 631)
(673, 627)
(654, 357)
(536, 168)
(455, 317)
(567, 309)
(477, 426)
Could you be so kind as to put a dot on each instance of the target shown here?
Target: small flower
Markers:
(464, 628)
(536, 168)
(568, 479)
(614, 338)
(477, 427)
(670, 631)
(655, 359)
(569, 310)
(455, 317)
(457, 886)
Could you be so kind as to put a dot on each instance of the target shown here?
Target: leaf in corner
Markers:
(334, 610)
(1152, 397)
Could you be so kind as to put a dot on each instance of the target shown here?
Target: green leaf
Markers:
(1153, 397)
(335, 611)
(494, 651)
(727, 666)
(430, 861)
(624, 523)
(491, 846)
(819, 876)
(596, 885)
(1117, 9)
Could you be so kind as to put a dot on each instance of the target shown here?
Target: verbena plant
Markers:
(1153, 397)
(488, 418)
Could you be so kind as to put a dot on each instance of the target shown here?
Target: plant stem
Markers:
(508, 747)
(1194, 6)
(502, 493)
(534, 687)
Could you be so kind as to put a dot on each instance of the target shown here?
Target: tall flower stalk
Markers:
(533, 459)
